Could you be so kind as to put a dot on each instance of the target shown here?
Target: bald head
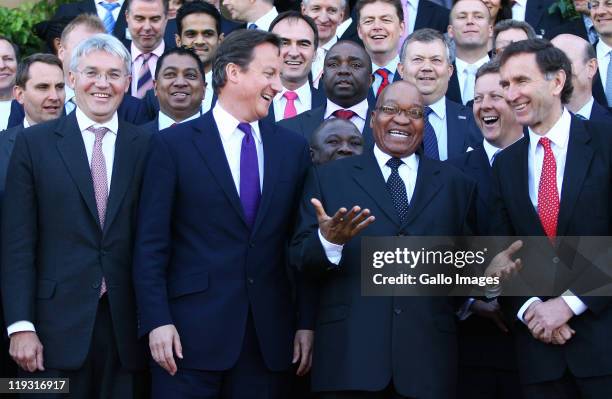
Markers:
(575, 47)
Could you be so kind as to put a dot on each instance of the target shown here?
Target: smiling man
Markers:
(69, 246)
(335, 139)
(8, 71)
(380, 347)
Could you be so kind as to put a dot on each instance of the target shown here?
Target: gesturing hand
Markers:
(502, 265)
(344, 225)
(162, 341)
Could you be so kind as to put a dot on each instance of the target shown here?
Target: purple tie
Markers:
(250, 193)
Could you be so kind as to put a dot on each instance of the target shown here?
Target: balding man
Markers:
(584, 69)
(335, 139)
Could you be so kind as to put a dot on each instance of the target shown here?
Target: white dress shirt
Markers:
(263, 23)
(461, 74)
(101, 11)
(208, 92)
(519, 8)
(413, 6)
(108, 149)
(5, 112)
(164, 121)
(438, 121)
(559, 137)
(303, 102)
(391, 67)
(137, 62)
(343, 27)
(407, 172)
(603, 59)
(319, 60)
(360, 109)
(231, 138)
(586, 109)
(26, 124)
(490, 150)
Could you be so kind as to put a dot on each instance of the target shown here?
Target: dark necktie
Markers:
(346, 114)
(430, 142)
(250, 193)
(397, 189)
(384, 74)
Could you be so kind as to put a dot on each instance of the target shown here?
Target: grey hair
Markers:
(342, 4)
(101, 42)
(426, 35)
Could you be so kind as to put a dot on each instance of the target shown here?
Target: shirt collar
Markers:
(26, 124)
(412, 161)
(343, 26)
(585, 111)
(462, 65)
(361, 109)
(165, 121)
(391, 66)
(602, 49)
(85, 122)
(208, 80)
(228, 124)
(265, 20)
(158, 51)
(414, 4)
(558, 134)
(439, 108)
(330, 43)
(522, 3)
(303, 92)
(490, 150)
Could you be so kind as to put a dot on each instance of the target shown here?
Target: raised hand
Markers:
(344, 225)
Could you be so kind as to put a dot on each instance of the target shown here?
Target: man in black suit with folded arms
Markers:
(67, 234)
(382, 347)
(346, 81)
(554, 182)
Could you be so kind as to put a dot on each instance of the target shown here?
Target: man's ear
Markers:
(18, 94)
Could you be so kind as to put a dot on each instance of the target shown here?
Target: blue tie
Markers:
(253, 26)
(430, 142)
(397, 189)
(250, 193)
(609, 80)
(109, 20)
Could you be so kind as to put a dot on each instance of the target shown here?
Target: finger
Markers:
(31, 362)
(305, 351)
(321, 215)
(178, 348)
(348, 217)
(359, 228)
(359, 218)
(169, 358)
(515, 246)
(338, 216)
(565, 333)
(39, 359)
(296, 351)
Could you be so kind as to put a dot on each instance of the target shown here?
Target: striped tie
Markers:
(145, 79)
(109, 20)
(430, 141)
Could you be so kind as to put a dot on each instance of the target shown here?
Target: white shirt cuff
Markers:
(523, 308)
(332, 251)
(20, 326)
(574, 303)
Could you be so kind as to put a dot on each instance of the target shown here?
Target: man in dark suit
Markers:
(536, 13)
(8, 68)
(602, 87)
(347, 78)
(218, 312)
(179, 87)
(69, 246)
(112, 12)
(554, 182)
(449, 127)
(584, 68)
(381, 347)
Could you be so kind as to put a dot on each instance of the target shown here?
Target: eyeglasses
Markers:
(414, 113)
(593, 5)
(92, 74)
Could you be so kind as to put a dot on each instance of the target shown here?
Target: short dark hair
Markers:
(399, 10)
(179, 51)
(292, 14)
(23, 69)
(238, 48)
(425, 35)
(165, 4)
(13, 45)
(548, 58)
(487, 68)
(508, 24)
(197, 7)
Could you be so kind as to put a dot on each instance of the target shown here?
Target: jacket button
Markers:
(95, 285)
(556, 259)
(250, 280)
(397, 311)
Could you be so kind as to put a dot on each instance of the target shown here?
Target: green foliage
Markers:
(565, 8)
(18, 23)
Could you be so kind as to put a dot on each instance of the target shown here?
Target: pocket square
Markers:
(461, 117)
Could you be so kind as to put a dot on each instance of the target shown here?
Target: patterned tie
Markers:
(405, 33)
(109, 20)
(430, 141)
(609, 80)
(581, 117)
(145, 79)
(250, 193)
(252, 27)
(397, 189)
(468, 83)
(384, 74)
(290, 110)
(548, 195)
(70, 106)
(345, 114)
(100, 181)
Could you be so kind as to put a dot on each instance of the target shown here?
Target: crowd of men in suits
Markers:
(184, 193)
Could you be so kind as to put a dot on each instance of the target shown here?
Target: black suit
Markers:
(600, 114)
(72, 10)
(538, 17)
(573, 27)
(584, 211)
(362, 342)
(598, 91)
(453, 92)
(16, 116)
(431, 15)
(461, 129)
(55, 253)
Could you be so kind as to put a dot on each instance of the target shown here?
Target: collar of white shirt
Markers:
(586, 109)
(263, 23)
(558, 134)
(412, 161)
(329, 44)
(522, 3)
(208, 80)
(164, 121)
(414, 4)
(343, 27)
(391, 66)
(439, 108)
(228, 124)
(361, 109)
(26, 124)
(303, 93)
(490, 150)
(462, 65)
(158, 51)
(602, 50)
(85, 122)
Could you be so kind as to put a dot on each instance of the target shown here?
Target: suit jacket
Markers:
(72, 10)
(453, 92)
(600, 114)
(538, 17)
(598, 91)
(362, 341)
(189, 260)
(16, 116)
(431, 15)
(152, 126)
(573, 27)
(461, 129)
(54, 251)
(584, 211)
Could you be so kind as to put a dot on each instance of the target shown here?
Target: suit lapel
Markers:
(455, 129)
(427, 185)
(208, 142)
(312, 120)
(519, 180)
(72, 150)
(579, 156)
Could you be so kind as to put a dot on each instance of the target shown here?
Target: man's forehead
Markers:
(348, 51)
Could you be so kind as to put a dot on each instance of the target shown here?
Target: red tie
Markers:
(384, 74)
(290, 110)
(548, 194)
(346, 114)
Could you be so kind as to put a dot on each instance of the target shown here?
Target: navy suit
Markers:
(453, 92)
(197, 263)
(461, 129)
(573, 27)
(538, 17)
(431, 15)
(584, 211)
(600, 114)
(16, 116)
(598, 91)
(72, 10)
(363, 343)
(152, 126)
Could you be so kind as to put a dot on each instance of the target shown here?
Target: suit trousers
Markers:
(488, 383)
(387, 393)
(249, 378)
(571, 387)
(101, 375)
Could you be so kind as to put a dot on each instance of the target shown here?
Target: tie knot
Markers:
(427, 111)
(246, 128)
(382, 72)
(290, 95)
(145, 57)
(99, 132)
(471, 69)
(394, 163)
(545, 142)
(109, 6)
(346, 114)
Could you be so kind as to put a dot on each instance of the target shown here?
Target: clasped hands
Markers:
(547, 321)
